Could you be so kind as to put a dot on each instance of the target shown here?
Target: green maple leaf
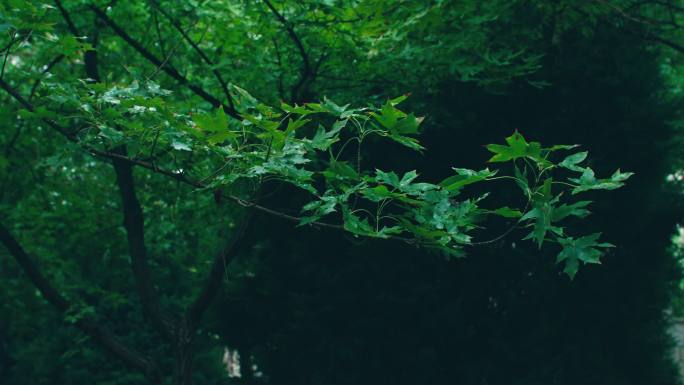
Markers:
(571, 161)
(517, 147)
(577, 209)
(542, 213)
(408, 125)
(542, 223)
(588, 181)
(583, 249)
(323, 139)
(388, 116)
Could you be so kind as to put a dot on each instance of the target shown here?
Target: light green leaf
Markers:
(408, 125)
(377, 193)
(571, 161)
(517, 147)
(562, 147)
(409, 142)
(584, 249)
(465, 177)
(576, 209)
(334, 108)
(390, 178)
(323, 139)
(293, 125)
(507, 212)
(587, 181)
(388, 116)
(398, 99)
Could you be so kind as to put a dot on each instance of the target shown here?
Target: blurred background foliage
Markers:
(311, 307)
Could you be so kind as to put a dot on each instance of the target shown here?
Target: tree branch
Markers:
(96, 332)
(14, 94)
(306, 64)
(180, 176)
(67, 19)
(645, 36)
(166, 67)
(213, 281)
(135, 232)
(666, 4)
(279, 62)
(675, 46)
(201, 53)
(47, 69)
(7, 52)
(133, 214)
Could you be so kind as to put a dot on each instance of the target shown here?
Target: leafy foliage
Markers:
(281, 144)
(153, 96)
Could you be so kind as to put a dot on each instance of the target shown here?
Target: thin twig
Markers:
(47, 69)
(306, 72)
(170, 70)
(201, 53)
(4, 61)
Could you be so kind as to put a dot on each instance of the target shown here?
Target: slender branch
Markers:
(67, 19)
(14, 94)
(4, 61)
(47, 69)
(166, 59)
(159, 36)
(621, 11)
(216, 274)
(676, 46)
(666, 4)
(98, 333)
(320, 61)
(279, 62)
(166, 67)
(648, 36)
(306, 64)
(201, 53)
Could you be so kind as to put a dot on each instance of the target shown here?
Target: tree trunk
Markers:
(184, 355)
